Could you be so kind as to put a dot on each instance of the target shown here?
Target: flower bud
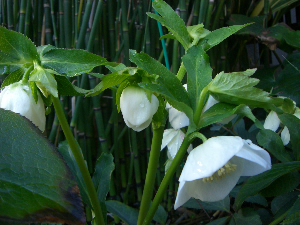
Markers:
(137, 110)
(18, 98)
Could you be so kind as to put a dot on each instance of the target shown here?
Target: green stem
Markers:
(151, 172)
(181, 72)
(80, 161)
(167, 179)
(200, 105)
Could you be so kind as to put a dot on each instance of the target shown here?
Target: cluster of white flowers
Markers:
(213, 168)
(17, 97)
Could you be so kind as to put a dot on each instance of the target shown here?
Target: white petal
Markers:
(272, 121)
(178, 119)
(136, 109)
(182, 195)
(256, 159)
(168, 135)
(210, 102)
(207, 158)
(285, 136)
(297, 113)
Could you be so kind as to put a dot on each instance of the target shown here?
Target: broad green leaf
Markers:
(281, 4)
(258, 182)
(292, 38)
(66, 152)
(36, 184)
(293, 216)
(168, 84)
(102, 175)
(199, 72)
(220, 111)
(219, 35)
(282, 185)
(13, 77)
(172, 21)
(71, 62)
(238, 89)
(116, 68)
(273, 143)
(245, 216)
(255, 28)
(65, 87)
(44, 80)
(293, 124)
(15, 50)
(223, 205)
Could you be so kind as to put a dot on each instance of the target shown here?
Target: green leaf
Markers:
(258, 182)
(238, 89)
(36, 184)
(172, 21)
(283, 203)
(197, 32)
(289, 79)
(66, 152)
(245, 216)
(220, 111)
(293, 216)
(15, 50)
(126, 213)
(273, 143)
(13, 77)
(199, 72)
(102, 175)
(255, 28)
(65, 87)
(293, 124)
(282, 185)
(71, 62)
(219, 35)
(44, 80)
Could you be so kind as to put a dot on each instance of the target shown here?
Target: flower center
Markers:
(221, 173)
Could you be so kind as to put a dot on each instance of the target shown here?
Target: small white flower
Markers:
(136, 109)
(18, 98)
(212, 169)
(177, 118)
(172, 139)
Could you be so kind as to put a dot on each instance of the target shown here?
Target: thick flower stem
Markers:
(181, 72)
(80, 161)
(151, 172)
(165, 182)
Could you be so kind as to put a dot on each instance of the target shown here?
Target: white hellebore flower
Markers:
(212, 169)
(18, 98)
(177, 118)
(272, 122)
(136, 109)
(172, 139)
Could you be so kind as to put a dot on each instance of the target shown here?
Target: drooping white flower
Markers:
(172, 139)
(177, 118)
(17, 97)
(272, 122)
(136, 109)
(212, 169)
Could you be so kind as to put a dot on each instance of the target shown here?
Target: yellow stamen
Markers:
(221, 173)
